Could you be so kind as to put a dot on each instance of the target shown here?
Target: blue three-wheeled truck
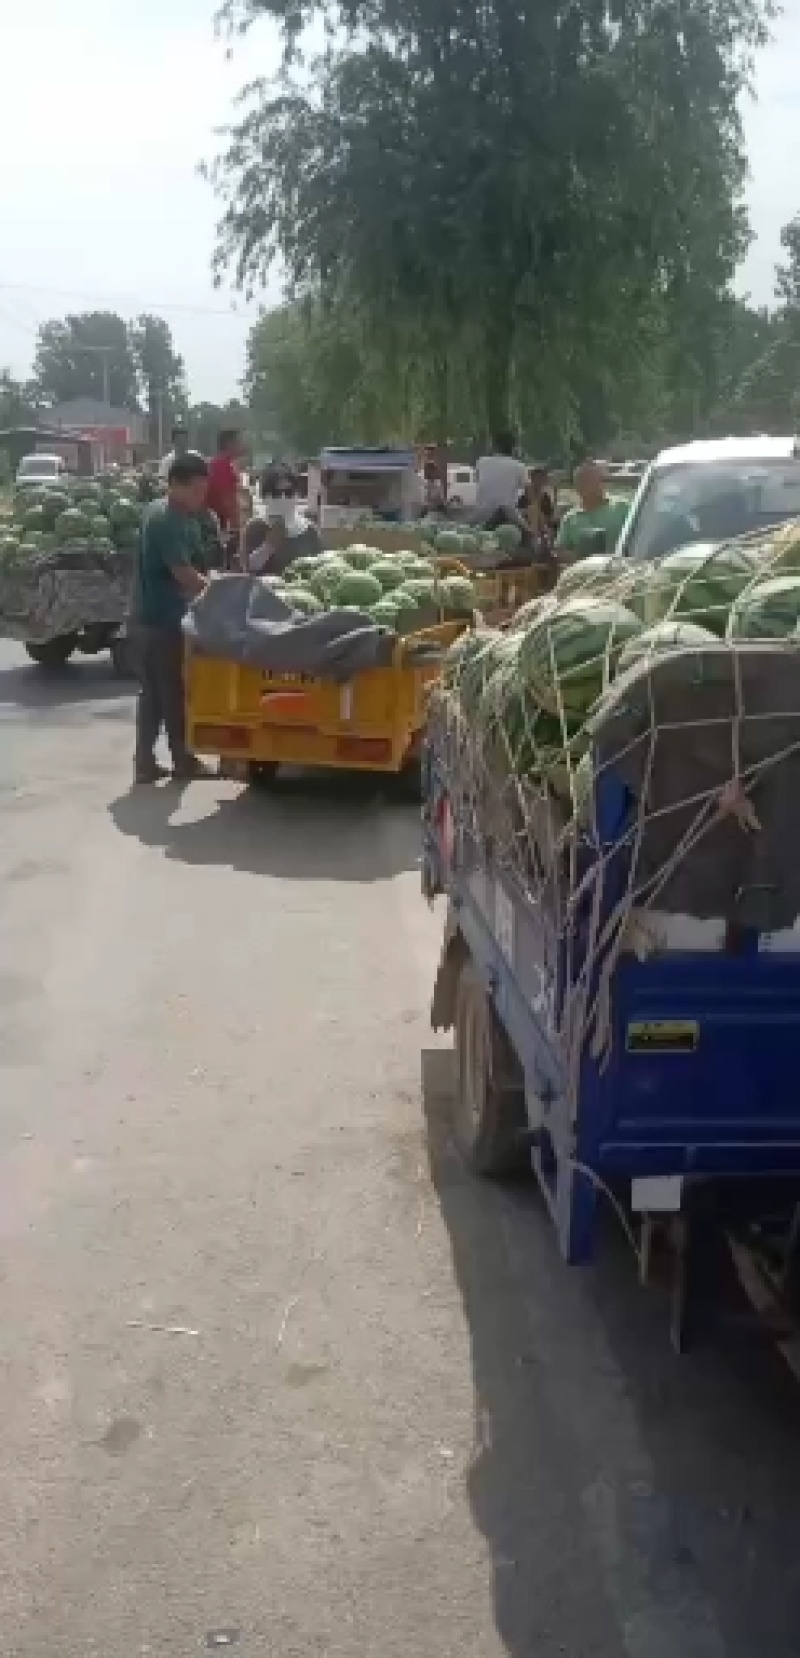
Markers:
(625, 992)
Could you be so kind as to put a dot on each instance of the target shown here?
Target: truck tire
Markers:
(52, 654)
(490, 1118)
(262, 774)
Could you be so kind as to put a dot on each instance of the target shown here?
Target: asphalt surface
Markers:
(276, 1376)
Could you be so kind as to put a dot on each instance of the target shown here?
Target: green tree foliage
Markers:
(86, 355)
(532, 199)
(207, 420)
(160, 371)
(17, 401)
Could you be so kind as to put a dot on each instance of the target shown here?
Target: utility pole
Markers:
(106, 352)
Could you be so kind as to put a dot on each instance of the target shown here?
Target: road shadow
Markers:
(633, 1502)
(339, 828)
(26, 686)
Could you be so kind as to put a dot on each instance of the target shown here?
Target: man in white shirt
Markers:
(179, 438)
(500, 481)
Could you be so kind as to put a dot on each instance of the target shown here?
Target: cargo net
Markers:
(631, 744)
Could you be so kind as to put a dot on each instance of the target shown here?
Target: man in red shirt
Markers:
(223, 485)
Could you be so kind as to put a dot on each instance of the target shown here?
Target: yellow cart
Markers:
(501, 592)
(261, 720)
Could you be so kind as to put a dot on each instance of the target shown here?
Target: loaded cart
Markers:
(621, 963)
(266, 686)
(74, 599)
(67, 558)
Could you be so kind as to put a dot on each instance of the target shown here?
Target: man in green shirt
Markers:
(169, 576)
(597, 511)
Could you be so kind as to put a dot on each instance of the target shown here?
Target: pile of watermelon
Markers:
(400, 591)
(474, 547)
(527, 695)
(84, 514)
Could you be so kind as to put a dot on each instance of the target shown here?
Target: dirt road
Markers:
(277, 1378)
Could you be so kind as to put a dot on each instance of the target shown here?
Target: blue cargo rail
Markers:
(690, 1123)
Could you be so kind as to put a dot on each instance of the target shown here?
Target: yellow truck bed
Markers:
(370, 723)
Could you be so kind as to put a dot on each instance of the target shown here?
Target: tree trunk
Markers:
(497, 350)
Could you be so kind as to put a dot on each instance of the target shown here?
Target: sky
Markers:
(106, 110)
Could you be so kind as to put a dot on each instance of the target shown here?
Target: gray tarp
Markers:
(242, 620)
(51, 594)
(678, 734)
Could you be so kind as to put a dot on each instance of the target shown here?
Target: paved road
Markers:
(272, 1368)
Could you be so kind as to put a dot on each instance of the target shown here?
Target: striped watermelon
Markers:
(664, 636)
(569, 654)
(769, 610)
(700, 583)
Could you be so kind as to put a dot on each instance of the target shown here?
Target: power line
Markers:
(145, 305)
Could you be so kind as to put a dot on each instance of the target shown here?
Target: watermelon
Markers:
(568, 655)
(531, 612)
(528, 741)
(508, 537)
(470, 545)
(72, 525)
(479, 657)
(306, 566)
(421, 589)
(33, 519)
(302, 599)
(457, 596)
(586, 574)
(389, 572)
(361, 557)
(99, 526)
(407, 610)
(85, 491)
(123, 514)
(326, 578)
(701, 583)
(386, 613)
(664, 636)
(359, 588)
(768, 610)
(418, 569)
(449, 544)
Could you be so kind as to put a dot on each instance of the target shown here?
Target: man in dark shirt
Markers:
(169, 575)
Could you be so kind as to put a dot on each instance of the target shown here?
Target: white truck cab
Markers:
(711, 491)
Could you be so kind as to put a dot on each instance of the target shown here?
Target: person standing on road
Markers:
(179, 438)
(169, 576)
(599, 514)
(222, 496)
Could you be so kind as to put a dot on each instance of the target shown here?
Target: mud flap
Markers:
(451, 960)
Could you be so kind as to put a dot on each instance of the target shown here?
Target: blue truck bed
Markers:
(698, 1086)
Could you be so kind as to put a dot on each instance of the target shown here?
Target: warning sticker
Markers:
(662, 1036)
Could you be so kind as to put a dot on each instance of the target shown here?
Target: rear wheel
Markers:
(408, 781)
(52, 653)
(262, 774)
(490, 1118)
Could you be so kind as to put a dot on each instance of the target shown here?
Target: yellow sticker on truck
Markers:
(662, 1036)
